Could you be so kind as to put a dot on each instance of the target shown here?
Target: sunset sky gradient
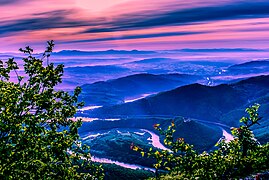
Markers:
(134, 24)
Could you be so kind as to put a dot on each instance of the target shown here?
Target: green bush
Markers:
(237, 158)
(38, 139)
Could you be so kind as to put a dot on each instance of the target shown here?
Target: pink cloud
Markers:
(131, 24)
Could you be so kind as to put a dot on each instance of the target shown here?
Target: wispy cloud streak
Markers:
(239, 10)
(136, 23)
(140, 36)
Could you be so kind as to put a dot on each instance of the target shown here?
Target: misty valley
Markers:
(125, 98)
(126, 93)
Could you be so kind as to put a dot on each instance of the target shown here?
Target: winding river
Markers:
(155, 141)
(125, 165)
(228, 136)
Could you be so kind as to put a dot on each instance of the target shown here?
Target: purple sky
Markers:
(134, 24)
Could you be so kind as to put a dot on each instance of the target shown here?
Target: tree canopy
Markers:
(39, 140)
(237, 158)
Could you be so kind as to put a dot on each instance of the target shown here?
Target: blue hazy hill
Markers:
(117, 90)
(195, 100)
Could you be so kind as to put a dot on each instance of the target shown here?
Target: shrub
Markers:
(237, 158)
(38, 138)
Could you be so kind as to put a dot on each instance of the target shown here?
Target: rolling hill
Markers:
(250, 67)
(116, 91)
(195, 101)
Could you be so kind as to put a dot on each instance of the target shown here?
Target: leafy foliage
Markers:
(239, 157)
(115, 172)
(38, 138)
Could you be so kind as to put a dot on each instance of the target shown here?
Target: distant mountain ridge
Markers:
(221, 50)
(134, 51)
(195, 100)
(151, 60)
(111, 51)
(251, 67)
(117, 90)
(258, 63)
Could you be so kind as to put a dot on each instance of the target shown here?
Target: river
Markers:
(125, 165)
(155, 141)
(138, 98)
(228, 136)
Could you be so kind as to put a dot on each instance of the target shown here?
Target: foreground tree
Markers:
(235, 159)
(38, 139)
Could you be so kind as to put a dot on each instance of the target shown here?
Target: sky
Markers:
(134, 24)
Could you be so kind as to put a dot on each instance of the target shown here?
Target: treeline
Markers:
(115, 172)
